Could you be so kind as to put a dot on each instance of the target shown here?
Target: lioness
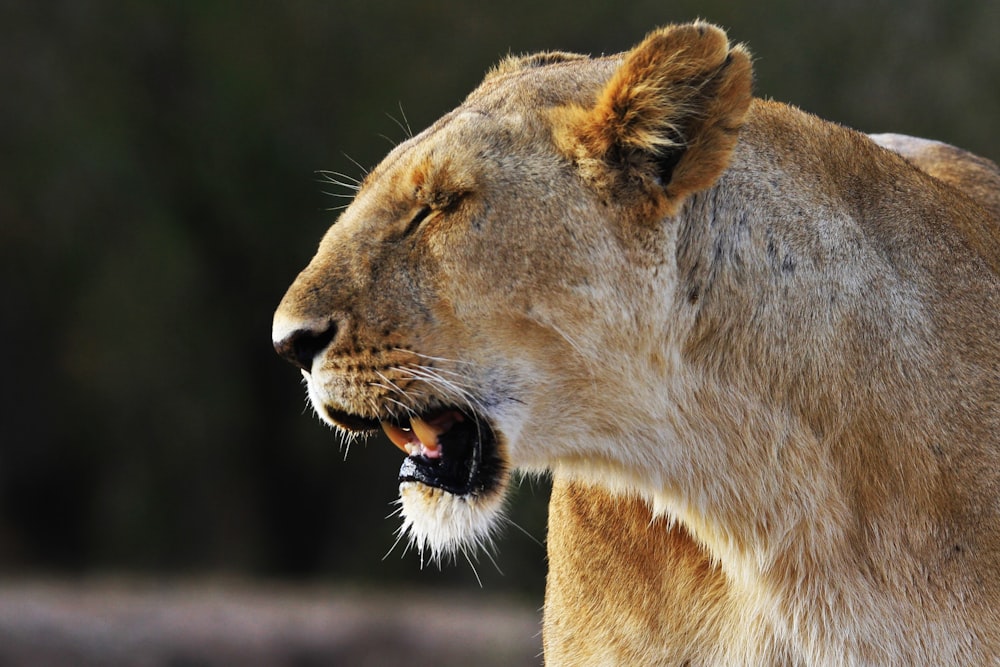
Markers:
(758, 352)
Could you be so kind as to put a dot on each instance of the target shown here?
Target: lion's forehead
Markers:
(505, 118)
(456, 137)
(469, 150)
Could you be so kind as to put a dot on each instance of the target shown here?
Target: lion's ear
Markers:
(666, 122)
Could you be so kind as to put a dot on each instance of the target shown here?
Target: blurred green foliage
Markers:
(158, 194)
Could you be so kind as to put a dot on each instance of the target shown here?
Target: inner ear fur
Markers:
(665, 123)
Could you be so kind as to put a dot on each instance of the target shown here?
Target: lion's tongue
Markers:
(422, 436)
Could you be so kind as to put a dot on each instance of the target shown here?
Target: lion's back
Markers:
(976, 177)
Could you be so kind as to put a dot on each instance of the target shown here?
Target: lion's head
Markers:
(775, 331)
(473, 300)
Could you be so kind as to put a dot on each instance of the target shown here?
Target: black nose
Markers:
(301, 346)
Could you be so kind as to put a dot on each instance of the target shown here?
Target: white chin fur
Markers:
(441, 524)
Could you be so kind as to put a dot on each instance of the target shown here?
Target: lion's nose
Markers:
(302, 345)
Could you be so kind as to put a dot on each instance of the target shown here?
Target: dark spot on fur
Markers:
(788, 264)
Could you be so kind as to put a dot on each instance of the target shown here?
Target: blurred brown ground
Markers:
(206, 623)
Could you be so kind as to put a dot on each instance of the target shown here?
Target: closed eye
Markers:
(417, 218)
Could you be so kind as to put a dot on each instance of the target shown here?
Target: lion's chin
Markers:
(441, 524)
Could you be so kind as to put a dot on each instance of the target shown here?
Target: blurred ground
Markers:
(141, 623)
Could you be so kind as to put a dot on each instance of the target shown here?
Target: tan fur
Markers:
(759, 353)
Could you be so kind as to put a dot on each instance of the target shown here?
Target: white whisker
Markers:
(405, 125)
(474, 571)
(356, 164)
(400, 534)
(450, 388)
(339, 178)
(338, 195)
(429, 357)
(510, 522)
(486, 549)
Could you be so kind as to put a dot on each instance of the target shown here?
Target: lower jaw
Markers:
(441, 524)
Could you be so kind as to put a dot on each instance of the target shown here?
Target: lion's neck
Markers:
(783, 432)
(768, 499)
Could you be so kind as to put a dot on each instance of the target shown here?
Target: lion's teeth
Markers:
(422, 438)
(428, 436)
(399, 437)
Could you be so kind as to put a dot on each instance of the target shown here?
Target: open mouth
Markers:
(446, 448)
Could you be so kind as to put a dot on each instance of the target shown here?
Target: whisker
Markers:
(469, 561)
(433, 358)
(351, 186)
(400, 534)
(460, 391)
(405, 125)
(406, 121)
(436, 372)
(339, 178)
(510, 522)
(485, 548)
(432, 376)
(338, 195)
(389, 384)
(356, 163)
(406, 409)
(392, 142)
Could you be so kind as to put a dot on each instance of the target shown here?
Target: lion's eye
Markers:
(417, 218)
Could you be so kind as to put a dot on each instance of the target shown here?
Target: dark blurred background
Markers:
(158, 193)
